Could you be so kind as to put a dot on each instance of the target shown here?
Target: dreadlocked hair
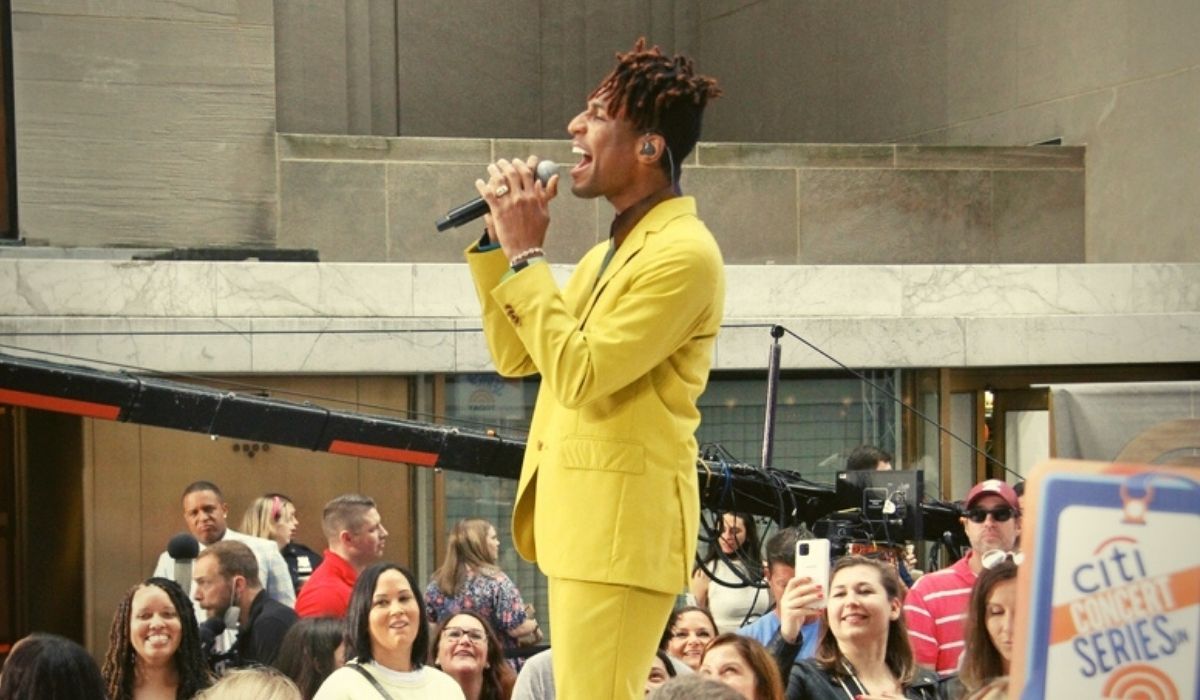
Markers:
(659, 94)
(120, 663)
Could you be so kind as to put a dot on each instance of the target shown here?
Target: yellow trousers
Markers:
(604, 637)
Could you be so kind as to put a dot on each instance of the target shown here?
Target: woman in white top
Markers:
(720, 585)
(388, 639)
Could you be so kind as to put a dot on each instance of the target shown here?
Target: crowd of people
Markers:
(348, 624)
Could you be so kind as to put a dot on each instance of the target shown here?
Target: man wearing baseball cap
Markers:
(936, 607)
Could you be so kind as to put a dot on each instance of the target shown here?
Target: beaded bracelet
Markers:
(525, 255)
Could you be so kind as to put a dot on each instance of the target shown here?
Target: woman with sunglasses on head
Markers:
(387, 640)
(989, 630)
(864, 650)
(273, 517)
(466, 648)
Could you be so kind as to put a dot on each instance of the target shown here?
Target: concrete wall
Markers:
(375, 199)
(149, 124)
(145, 123)
(1121, 77)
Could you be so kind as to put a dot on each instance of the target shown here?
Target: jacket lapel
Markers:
(653, 221)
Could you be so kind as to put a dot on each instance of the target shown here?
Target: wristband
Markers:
(524, 256)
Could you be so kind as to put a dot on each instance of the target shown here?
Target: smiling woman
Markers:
(154, 645)
(865, 649)
(467, 649)
(388, 640)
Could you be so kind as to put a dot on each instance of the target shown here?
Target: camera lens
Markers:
(804, 550)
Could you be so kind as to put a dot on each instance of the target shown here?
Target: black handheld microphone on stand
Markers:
(478, 207)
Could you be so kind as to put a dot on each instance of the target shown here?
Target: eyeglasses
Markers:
(1001, 515)
(456, 633)
(995, 557)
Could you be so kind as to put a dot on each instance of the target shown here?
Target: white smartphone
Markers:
(812, 560)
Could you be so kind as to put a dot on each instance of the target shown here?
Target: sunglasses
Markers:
(995, 557)
(1000, 515)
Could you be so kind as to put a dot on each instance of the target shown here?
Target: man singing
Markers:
(607, 503)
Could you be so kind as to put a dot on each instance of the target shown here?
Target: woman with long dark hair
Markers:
(50, 667)
(728, 581)
(311, 650)
(154, 645)
(470, 579)
(466, 648)
(989, 626)
(387, 640)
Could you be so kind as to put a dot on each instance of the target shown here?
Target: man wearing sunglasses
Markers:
(936, 607)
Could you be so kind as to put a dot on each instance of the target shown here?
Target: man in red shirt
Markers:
(356, 537)
(936, 607)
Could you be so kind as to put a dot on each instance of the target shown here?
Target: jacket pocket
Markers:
(604, 455)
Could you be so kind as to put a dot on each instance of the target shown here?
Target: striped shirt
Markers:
(935, 611)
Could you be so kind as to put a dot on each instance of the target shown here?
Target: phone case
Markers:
(812, 560)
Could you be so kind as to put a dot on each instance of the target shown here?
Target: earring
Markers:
(648, 148)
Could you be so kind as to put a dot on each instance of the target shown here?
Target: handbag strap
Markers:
(371, 679)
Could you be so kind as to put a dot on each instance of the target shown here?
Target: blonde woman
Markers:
(273, 517)
(470, 579)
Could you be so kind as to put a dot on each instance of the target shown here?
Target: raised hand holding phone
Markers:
(812, 561)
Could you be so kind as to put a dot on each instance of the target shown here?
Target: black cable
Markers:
(862, 377)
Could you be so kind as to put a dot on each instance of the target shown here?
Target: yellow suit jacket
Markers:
(608, 490)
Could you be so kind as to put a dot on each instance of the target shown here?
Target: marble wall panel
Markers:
(752, 213)
(1165, 288)
(1070, 340)
(1015, 290)
(894, 217)
(356, 345)
(105, 288)
(788, 291)
(470, 347)
(156, 345)
(1038, 217)
(212, 12)
(338, 208)
(860, 343)
(260, 290)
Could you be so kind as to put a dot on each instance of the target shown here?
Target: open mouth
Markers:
(584, 161)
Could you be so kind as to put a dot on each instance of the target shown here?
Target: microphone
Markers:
(210, 629)
(477, 207)
(183, 548)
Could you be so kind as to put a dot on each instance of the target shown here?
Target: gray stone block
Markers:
(1038, 216)
(338, 208)
(752, 213)
(901, 216)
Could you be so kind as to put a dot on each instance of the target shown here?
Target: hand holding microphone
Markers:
(515, 201)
